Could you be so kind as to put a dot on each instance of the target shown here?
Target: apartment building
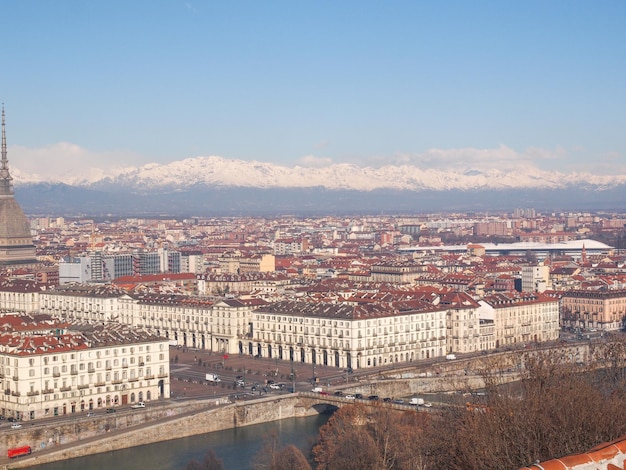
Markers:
(51, 368)
(91, 302)
(182, 319)
(239, 264)
(221, 284)
(347, 336)
(99, 266)
(536, 278)
(521, 317)
(462, 322)
(290, 246)
(19, 295)
(601, 309)
(399, 272)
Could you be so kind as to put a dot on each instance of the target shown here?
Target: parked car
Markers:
(12, 419)
(275, 386)
(373, 397)
(110, 410)
(358, 396)
(139, 405)
(16, 426)
(387, 400)
(338, 393)
(350, 396)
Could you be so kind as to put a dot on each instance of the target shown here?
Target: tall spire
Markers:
(6, 185)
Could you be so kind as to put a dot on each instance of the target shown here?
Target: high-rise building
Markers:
(16, 242)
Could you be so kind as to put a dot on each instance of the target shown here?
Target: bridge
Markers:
(323, 403)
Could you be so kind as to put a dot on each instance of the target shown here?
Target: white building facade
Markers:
(47, 369)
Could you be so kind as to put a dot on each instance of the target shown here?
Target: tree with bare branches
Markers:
(275, 457)
(559, 406)
(210, 462)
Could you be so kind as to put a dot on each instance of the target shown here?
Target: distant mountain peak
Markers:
(214, 171)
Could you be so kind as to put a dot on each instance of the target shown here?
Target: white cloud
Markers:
(610, 163)
(68, 162)
(502, 158)
(311, 161)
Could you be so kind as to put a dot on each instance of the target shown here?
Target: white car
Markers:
(139, 405)
(275, 386)
(350, 397)
(16, 426)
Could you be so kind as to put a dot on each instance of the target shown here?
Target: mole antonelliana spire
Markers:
(6, 185)
(16, 242)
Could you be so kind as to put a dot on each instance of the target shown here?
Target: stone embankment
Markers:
(106, 433)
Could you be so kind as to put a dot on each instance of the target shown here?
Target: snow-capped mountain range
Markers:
(218, 172)
(218, 186)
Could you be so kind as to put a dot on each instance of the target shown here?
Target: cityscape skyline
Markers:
(479, 85)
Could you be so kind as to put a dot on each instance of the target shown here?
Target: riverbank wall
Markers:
(107, 433)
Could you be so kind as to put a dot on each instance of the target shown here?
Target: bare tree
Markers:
(273, 457)
(559, 406)
(210, 462)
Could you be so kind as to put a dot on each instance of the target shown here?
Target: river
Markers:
(237, 448)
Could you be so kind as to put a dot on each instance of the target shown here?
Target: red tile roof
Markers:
(606, 456)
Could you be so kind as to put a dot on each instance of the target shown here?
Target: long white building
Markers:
(52, 368)
(352, 332)
(347, 336)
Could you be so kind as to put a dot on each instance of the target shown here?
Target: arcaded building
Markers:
(51, 368)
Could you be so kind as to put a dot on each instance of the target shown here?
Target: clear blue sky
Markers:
(432, 83)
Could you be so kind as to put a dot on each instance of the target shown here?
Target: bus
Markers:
(19, 451)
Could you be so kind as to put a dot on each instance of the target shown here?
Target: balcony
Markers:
(82, 387)
(65, 389)
(47, 391)
(148, 377)
(32, 394)
(162, 376)
(116, 382)
(99, 384)
(91, 370)
(74, 372)
(15, 394)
